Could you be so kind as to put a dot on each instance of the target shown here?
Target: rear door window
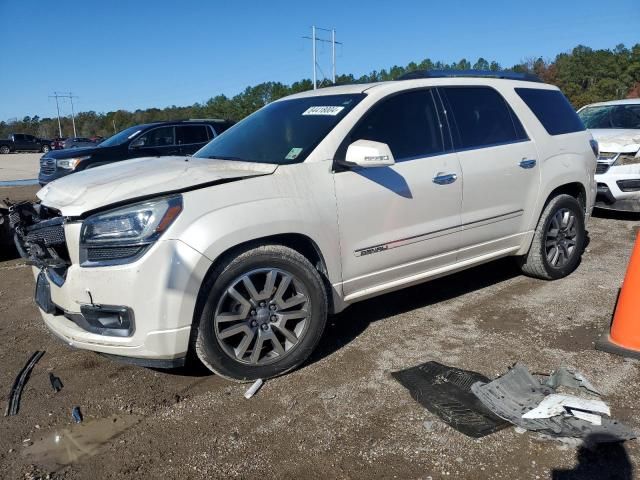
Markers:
(481, 117)
(552, 108)
(188, 134)
(158, 137)
(408, 123)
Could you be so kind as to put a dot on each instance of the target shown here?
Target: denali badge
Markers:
(370, 250)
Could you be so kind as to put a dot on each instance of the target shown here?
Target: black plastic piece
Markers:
(56, 383)
(13, 405)
(507, 75)
(605, 344)
(446, 392)
(43, 294)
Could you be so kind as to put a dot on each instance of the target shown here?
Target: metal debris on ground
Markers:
(253, 389)
(56, 383)
(517, 393)
(446, 392)
(568, 377)
(13, 404)
(76, 414)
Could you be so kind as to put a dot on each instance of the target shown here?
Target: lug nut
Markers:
(272, 308)
(273, 318)
(265, 326)
(254, 323)
(253, 312)
(262, 304)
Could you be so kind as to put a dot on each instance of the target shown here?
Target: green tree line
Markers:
(584, 75)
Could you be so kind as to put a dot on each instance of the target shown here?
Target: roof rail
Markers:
(206, 120)
(504, 74)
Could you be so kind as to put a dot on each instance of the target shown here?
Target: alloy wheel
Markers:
(561, 238)
(262, 316)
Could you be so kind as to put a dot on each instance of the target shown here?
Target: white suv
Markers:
(616, 127)
(314, 202)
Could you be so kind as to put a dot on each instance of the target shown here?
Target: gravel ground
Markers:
(341, 415)
(19, 166)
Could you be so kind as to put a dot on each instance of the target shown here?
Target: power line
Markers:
(70, 96)
(314, 38)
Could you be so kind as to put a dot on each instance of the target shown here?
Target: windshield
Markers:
(611, 116)
(283, 132)
(121, 137)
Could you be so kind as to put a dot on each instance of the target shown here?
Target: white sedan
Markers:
(616, 127)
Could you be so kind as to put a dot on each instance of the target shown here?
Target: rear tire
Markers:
(4, 149)
(558, 241)
(262, 313)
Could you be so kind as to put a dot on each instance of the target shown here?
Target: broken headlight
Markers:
(627, 159)
(122, 235)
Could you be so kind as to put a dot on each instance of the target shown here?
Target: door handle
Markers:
(525, 163)
(445, 178)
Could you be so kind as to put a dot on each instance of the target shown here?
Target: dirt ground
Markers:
(342, 415)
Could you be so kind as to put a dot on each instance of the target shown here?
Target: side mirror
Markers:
(137, 143)
(367, 154)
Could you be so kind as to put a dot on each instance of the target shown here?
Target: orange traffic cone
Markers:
(624, 337)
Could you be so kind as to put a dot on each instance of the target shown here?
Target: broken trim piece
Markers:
(18, 385)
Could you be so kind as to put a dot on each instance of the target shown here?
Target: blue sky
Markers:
(143, 53)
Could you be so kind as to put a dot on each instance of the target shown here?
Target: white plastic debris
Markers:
(592, 418)
(253, 389)
(557, 404)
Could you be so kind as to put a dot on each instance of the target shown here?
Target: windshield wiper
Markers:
(218, 157)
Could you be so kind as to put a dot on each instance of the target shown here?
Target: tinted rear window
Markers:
(552, 109)
(482, 117)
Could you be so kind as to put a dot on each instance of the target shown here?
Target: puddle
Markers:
(70, 445)
(19, 183)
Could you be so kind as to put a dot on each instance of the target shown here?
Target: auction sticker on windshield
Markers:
(322, 110)
(293, 153)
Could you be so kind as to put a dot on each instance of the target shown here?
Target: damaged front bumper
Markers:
(140, 312)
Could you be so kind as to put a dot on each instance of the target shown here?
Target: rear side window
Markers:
(482, 117)
(158, 137)
(191, 134)
(407, 122)
(552, 109)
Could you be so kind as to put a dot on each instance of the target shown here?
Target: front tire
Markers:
(45, 149)
(558, 240)
(263, 313)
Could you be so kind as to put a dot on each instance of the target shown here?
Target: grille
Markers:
(112, 253)
(47, 166)
(602, 168)
(51, 234)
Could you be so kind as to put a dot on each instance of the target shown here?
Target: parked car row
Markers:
(238, 253)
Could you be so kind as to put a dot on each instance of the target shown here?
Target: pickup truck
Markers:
(21, 142)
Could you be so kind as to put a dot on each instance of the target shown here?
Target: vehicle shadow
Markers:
(598, 461)
(347, 325)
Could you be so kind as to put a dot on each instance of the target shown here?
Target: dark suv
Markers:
(158, 139)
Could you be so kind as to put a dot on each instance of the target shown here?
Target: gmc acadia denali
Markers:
(318, 200)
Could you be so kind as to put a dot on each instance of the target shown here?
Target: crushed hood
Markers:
(90, 189)
(617, 140)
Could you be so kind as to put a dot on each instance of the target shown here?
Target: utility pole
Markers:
(73, 116)
(55, 95)
(315, 83)
(333, 53)
(314, 38)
